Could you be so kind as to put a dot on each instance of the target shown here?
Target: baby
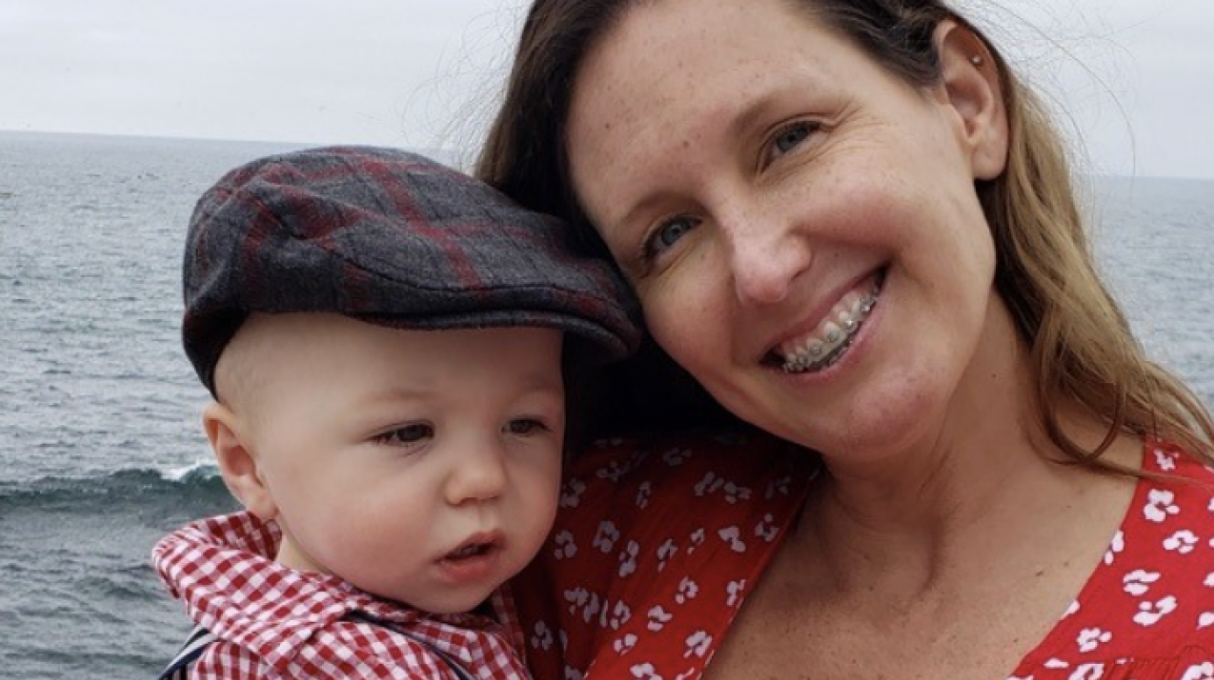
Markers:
(387, 342)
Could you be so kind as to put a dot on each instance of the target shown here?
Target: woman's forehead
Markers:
(674, 76)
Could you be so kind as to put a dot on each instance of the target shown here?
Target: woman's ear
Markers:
(970, 78)
(237, 461)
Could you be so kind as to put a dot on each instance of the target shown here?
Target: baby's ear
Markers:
(237, 461)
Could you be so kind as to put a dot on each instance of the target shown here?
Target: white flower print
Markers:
(766, 529)
(1138, 582)
(1149, 613)
(1201, 671)
(1209, 582)
(614, 617)
(666, 551)
(1071, 609)
(624, 644)
(688, 590)
(1088, 671)
(1205, 620)
(734, 589)
(643, 494)
(572, 673)
(645, 671)
(676, 457)
(698, 644)
(565, 546)
(735, 493)
(594, 606)
(606, 536)
(687, 674)
(1182, 542)
(709, 484)
(628, 558)
(614, 471)
(1056, 664)
(1091, 638)
(1159, 506)
(1210, 507)
(571, 493)
(1166, 461)
(1115, 547)
(577, 598)
(777, 486)
(658, 618)
(731, 535)
(542, 638)
(697, 538)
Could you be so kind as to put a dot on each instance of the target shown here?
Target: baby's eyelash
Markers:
(529, 426)
(405, 435)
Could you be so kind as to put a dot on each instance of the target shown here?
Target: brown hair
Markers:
(1082, 347)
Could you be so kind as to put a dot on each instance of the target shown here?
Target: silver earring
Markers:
(976, 60)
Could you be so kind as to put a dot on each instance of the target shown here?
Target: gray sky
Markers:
(1135, 76)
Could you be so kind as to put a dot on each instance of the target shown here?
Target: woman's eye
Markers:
(789, 138)
(406, 435)
(667, 234)
(525, 426)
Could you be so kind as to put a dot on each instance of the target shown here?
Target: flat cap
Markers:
(391, 238)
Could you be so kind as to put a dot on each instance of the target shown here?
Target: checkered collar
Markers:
(223, 569)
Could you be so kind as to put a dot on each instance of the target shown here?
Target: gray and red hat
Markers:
(391, 238)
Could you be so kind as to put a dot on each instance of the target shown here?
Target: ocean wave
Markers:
(198, 483)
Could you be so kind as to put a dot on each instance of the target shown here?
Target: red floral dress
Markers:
(657, 546)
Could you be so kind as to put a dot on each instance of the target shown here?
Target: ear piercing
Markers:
(977, 60)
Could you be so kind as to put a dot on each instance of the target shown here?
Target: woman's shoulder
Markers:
(1148, 610)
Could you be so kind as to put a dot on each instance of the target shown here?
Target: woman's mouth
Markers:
(830, 340)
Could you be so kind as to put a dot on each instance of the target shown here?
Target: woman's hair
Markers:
(1081, 345)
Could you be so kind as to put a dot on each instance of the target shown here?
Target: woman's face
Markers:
(801, 226)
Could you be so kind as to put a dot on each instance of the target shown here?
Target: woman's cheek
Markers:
(682, 313)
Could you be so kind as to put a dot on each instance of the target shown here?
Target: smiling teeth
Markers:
(831, 338)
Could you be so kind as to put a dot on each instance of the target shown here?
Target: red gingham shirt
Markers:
(276, 622)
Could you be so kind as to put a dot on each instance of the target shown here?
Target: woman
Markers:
(852, 224)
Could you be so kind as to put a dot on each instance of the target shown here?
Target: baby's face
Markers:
(421, 466)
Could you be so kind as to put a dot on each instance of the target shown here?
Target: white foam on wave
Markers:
(199, 468)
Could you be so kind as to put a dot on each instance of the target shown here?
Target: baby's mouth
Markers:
(472, 550)
(477, 546)
(830, 340)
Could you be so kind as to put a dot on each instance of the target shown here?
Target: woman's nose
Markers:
(477, 474)
(765, 256)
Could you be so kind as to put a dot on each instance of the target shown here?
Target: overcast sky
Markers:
(1136, 76)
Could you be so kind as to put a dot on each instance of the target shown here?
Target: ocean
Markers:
(101, 451)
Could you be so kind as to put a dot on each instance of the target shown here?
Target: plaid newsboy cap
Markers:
(391, 238)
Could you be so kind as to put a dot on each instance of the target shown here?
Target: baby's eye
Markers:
(525, 426)
(406, 435)
(667, 233)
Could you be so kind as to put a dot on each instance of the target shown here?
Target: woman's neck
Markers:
(938, 510)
